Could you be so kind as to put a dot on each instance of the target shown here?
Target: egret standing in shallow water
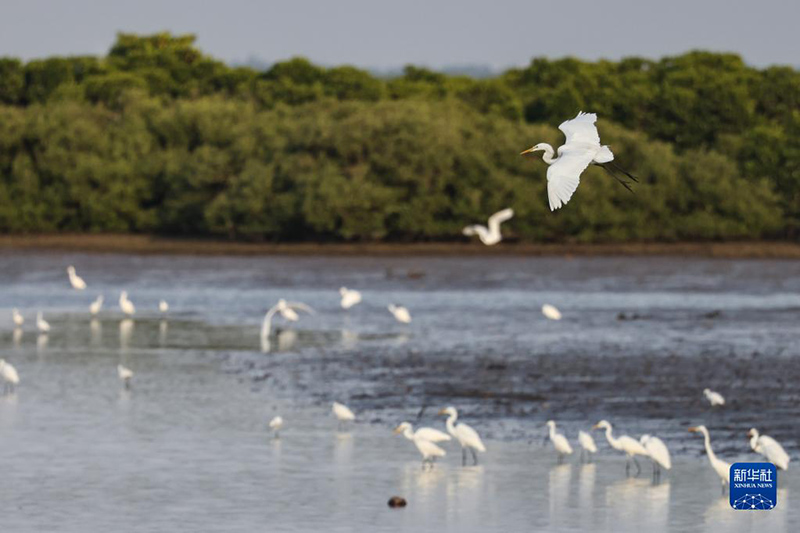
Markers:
(126, 305)
(275, 425)
(96, 305)
(769, 448)
(400, 313)
(349, 297)
(125, 375)
(714, 398)
(342, 413)
(722, 468)
(560, 442)
(75, 280)
(428, 449)
(9, 375)
(429, 434)
(464, 434)
(581, 149)
(628, 445)
(490, 235)
(17, 318)
(163, 306)
(587, 445)
(551, 312)
(658, 453)
(41, 323)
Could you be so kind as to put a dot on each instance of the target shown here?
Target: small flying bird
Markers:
(628, 445)
(464, 434)
(96, 305)
(427, 449)
(163, 306)
(41, 323)
(490, 235)
(551, 312)
(287, 310)
(349, 297)
(429, 434)
(714, 398)
(17, 318)
(75, 280)
(581, 149)
(769, 448)
(126, 305)
(722, 468)
(400, 313)
(560, 442)
(342, 413)
(9, 375)
(275, 425)
(658, 453)
(125, 375)
(587, 445)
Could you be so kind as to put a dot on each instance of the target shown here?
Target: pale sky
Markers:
(436, 33)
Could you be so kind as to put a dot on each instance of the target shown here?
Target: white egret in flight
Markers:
(628, 445)
(125, 375)
(429, 434)
(287, 311)
(349, 297)
(163, 306)
(400, 313)
(75, 280)
(17, 317)
(9, 375)
(581, 149)
(96, 305)
(551, 312)
(342, 413)
(41, 323)
(722, 468)
(588, 446)
(428, 449)
(714, 398)
(560, 442)
(658, 453)
(490, 235)
(769, 448)
(464, 434)
(126, 305)
(275, 425)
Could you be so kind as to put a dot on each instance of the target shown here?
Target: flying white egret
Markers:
(722, 468)
(126, 305)
(429, 434)
(163, 306)
(628, 445)
(428, 449)
(17, 318)
(287, 311)
(581, 149)
(464, 434)
(9, 375)
(587, 444)
(75, 280)
(349, 297)
(41, 323)
(490, 235)
(658, 453)
(769, 448)
(275, 425)
(125, 375)
(714, 398)
(551, 312)
(400, 313)
(342, 413)
(560, 442)
(96, 305)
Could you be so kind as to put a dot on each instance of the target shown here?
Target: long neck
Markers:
(610, 438)
(266, 326)
(552, 431)
(408, 433)
(754, 440)
(711, 456)
(548, 154)
(451, 423)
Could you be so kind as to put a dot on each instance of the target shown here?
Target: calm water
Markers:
(187, 449)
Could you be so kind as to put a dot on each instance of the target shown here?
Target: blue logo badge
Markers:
(754, 486)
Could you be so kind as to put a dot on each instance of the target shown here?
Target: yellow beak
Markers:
(596, 426)
(398, 430)
(443, 412)
(693, 429)
(529, 150)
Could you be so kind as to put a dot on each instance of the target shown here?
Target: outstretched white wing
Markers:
(500, 217)
(564, 175)
(581, 129)
(301, 307)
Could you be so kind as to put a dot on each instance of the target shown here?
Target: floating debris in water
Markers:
(397, 501)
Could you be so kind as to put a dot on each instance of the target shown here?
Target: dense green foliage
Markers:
(159, 138)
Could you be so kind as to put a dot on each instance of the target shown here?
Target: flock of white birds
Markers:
(581, 149)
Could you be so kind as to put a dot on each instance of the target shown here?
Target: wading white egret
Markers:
(769, 448)
(551, 312)
(342, 413)
(464, 434)
(560, 442)
(41, 323)
(17, 318)
(429, 434)
(714, 398)
(722, 468)
(658, 453)
(581, 149)
(287, 311)
(96, 305)
(400, 313)
(349, 297)
(628, 445)
(125, 375)
(163, 306)
(275, 425)
(9, 375)
(126, 305)
(588, 446)
(428, 449)
(490, 235)
(75, 280)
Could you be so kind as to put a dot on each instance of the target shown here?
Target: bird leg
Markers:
(474, 456)
(463, 456)
(616, 177)
(627, 466)
(638, 467)
(560, 458)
